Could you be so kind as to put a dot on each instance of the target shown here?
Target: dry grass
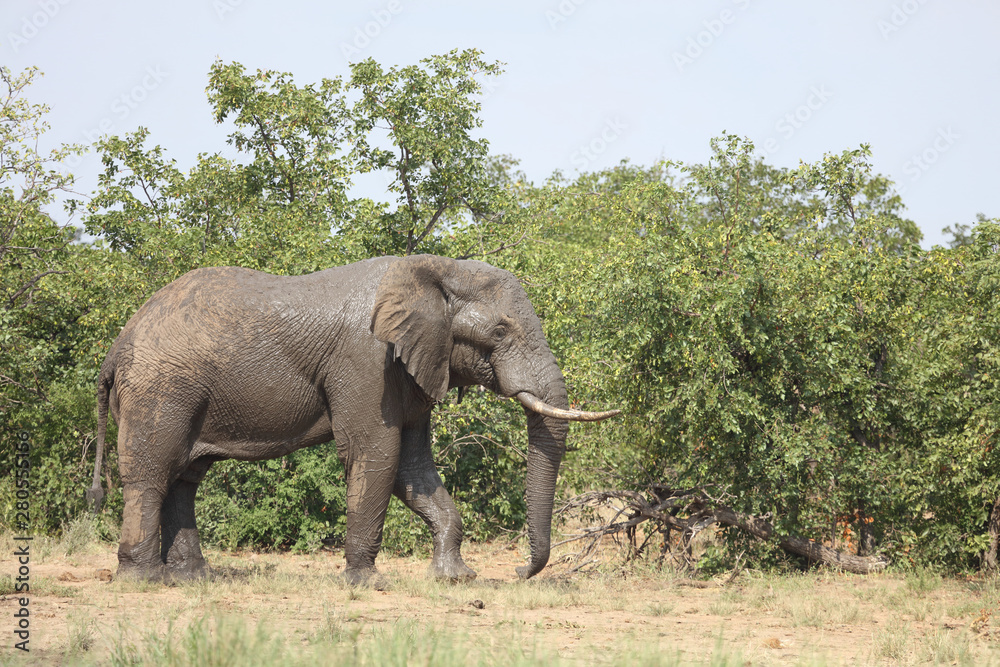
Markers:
(284, 609)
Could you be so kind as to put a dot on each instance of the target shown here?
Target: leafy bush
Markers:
(60, 433)
(291, 502)
(775, 335)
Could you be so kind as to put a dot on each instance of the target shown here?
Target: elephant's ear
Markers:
(411, 312)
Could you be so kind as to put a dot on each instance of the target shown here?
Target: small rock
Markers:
(478, 604)
(104, 574)
(67, 576)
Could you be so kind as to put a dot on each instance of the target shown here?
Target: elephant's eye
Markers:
(499, 332)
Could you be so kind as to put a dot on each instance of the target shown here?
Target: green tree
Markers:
(41, 301)
(962, 235)
(417, 123)
(949, 481)
(758, 349)
(33, 247)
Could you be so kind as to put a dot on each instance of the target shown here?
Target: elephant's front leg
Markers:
(371, 469)
(419, 485)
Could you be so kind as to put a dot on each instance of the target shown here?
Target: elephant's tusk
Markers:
(536, 404)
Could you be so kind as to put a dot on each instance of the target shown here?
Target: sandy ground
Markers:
(824, 618)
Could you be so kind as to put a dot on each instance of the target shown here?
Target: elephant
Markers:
(231, 363)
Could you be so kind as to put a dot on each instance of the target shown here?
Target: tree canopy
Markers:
(776, 337)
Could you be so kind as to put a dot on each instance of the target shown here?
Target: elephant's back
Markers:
(240, 290)
(200, 300)
(227, 317)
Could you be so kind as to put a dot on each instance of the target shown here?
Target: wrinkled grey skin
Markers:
(232, 363)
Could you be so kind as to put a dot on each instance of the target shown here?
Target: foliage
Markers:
(292, 502)
(39, 391)
(417, 122)
(775, 336)
(961, 235)
(785, 364)
(481, 445)
(952, 398)
(33, 248)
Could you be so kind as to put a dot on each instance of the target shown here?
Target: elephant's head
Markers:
(456, 323)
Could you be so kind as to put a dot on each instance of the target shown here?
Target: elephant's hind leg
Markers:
(419, 485)
(153, 445)
(144, 486)
(180, 548)
(139, 549)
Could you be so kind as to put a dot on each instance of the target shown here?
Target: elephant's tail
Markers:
(95, 494)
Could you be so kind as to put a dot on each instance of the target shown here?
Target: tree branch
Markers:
(6, 380)
(703, 511)
(413, 243)
(274, 157)
(503, 246)
(411, 204)
(28, 285)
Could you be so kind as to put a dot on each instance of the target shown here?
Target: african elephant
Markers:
(233, 363)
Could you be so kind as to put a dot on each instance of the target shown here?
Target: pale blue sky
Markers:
(587, 82)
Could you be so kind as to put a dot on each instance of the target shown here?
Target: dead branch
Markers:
(664, 506)
(503, 246)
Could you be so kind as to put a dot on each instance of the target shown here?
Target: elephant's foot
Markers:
(185, 570)
(140, 572)
(365, 577)
(452, 569)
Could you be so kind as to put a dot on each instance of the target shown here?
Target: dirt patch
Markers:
(840, 619)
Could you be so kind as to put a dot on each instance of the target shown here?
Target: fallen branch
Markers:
(800, 546)
(663, 506)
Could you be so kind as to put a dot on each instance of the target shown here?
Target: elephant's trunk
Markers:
(546, 445)
(547, 429)
(530, 373)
